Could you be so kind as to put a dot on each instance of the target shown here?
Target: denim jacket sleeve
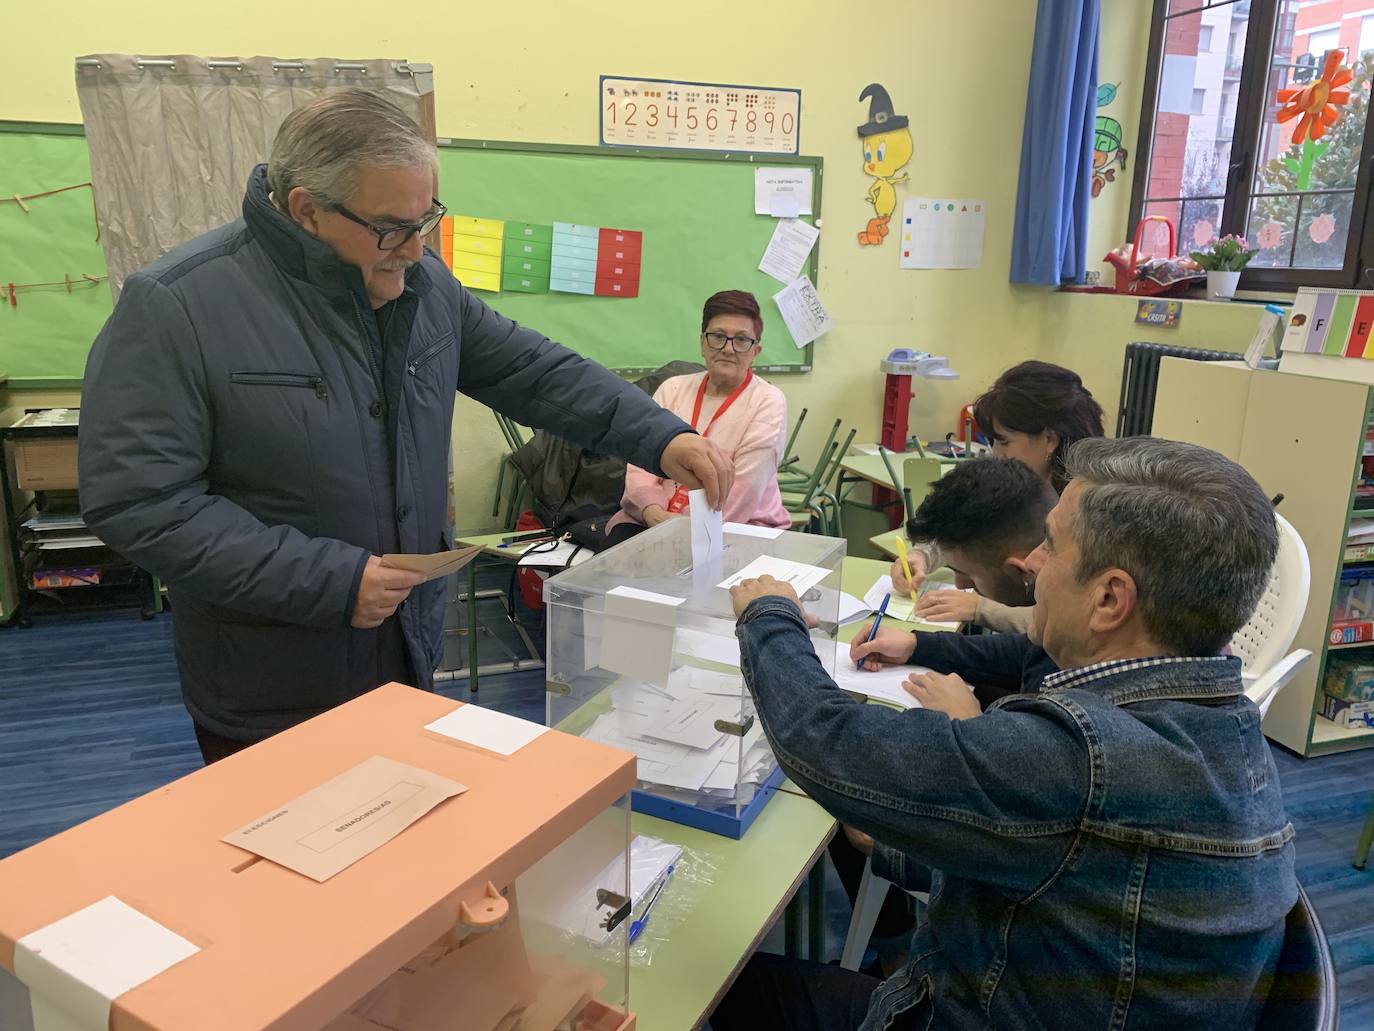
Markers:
(987, 660)
(953, 794)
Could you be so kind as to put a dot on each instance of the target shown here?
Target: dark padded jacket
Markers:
(237, 441)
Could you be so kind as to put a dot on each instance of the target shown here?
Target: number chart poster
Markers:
(699, 116)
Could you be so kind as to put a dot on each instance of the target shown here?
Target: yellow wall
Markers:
(958, 70)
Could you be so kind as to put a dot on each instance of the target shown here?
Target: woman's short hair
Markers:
(733, 302)
(1036, 396)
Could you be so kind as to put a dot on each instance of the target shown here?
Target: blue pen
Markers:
(637, 927)
(882, 611)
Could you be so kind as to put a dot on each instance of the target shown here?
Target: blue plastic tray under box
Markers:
(710, 820)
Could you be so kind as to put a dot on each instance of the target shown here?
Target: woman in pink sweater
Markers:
(738, 411)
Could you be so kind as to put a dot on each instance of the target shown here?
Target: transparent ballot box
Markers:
(642, 655)
(547, 952)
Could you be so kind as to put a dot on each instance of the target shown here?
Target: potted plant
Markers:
(1224, 259)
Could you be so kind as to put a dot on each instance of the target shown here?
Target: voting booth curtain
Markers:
(1055, 185)
(173, 139)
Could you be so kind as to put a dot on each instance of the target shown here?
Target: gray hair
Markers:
(1192, 528)
(321, 145)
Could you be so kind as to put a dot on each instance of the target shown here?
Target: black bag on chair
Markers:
(570, 484)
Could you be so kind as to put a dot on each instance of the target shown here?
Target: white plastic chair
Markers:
(1266, 687)
(868, 903)
(1261, 645)
(1263, 641)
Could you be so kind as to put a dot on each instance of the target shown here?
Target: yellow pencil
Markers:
(906, 568)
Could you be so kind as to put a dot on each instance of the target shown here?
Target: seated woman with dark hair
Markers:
(741, 413)
(1034, 412)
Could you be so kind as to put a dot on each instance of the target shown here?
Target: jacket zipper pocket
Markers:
(280, 379)
(429, 354)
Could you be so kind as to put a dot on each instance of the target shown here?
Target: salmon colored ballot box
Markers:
(503, 905)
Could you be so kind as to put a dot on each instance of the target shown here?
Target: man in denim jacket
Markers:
(1111, 852)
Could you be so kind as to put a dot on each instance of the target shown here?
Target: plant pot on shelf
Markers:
(1221, 286)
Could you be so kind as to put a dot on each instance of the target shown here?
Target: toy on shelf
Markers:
(1152, 276)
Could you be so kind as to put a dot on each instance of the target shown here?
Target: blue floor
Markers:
(91, 716)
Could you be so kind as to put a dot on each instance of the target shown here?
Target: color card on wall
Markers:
(1320, 322)
(477, 252)
(1341, 318)
(521, 270)
(446, 240)
(1358, 345)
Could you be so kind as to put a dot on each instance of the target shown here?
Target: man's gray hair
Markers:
(321, 145)
(1194, 530)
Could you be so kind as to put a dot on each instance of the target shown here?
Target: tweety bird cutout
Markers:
(887, 149)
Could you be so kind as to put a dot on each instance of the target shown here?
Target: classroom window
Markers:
(1222, 154)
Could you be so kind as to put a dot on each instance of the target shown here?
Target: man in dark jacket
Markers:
(269, 410)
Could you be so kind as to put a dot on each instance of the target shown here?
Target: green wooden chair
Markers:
(510, 485)
(787, 468)
(818, 502)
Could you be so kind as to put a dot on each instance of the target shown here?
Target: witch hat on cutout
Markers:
(887, 149)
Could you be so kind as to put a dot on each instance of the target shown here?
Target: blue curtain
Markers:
(1055, 186)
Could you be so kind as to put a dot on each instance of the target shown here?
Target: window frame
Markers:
(1251, 94)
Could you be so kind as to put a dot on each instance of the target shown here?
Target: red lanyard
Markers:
(729, 400)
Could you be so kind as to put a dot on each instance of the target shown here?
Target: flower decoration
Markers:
(1318, 102)
(1270, 235)
(1323, 227)
(1203, 232)
(1229, 254)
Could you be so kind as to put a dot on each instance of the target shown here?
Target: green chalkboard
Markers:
(695, 210)
(46, 333)
(700, 235)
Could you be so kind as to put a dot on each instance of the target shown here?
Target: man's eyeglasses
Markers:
(391, 237)
(739, 343)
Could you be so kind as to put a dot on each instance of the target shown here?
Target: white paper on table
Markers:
(77, 966)
(487, 728)
(885, 683)
(802, 311)
(768, 533)
(782, 190)
(801, 576)
(693, 722)
(787, 250)
(561, 557)
(708, 537)
(942, 232)
(637, 634)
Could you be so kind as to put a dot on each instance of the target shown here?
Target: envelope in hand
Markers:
(442, 563)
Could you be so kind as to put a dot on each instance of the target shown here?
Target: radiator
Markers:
(1140, 379)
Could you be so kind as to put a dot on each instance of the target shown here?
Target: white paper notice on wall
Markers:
(802, 311)
(76, 966)
(788, 250)
(782, 192)
(637, 634)
(942, 232)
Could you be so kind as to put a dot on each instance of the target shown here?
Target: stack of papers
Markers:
(672, 730)
(882, 685)
(1361, 530)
